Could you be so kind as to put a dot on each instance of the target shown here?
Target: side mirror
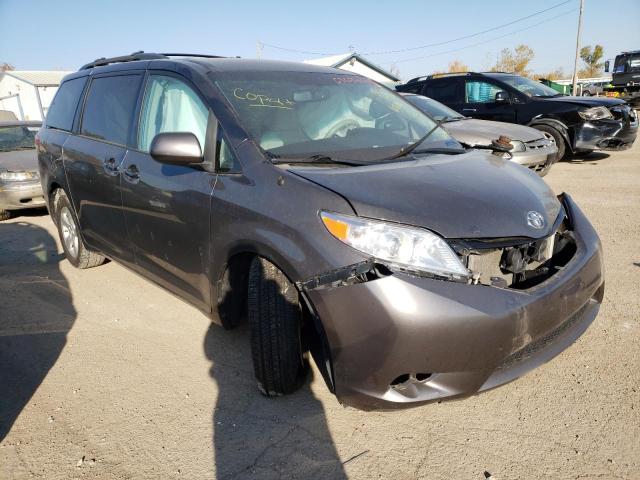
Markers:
(606, 66)
(176, 148)
(502, 97)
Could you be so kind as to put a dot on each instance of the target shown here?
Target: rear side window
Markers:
(108, 110)
(481, 92)
(444, 91)
(64, 105)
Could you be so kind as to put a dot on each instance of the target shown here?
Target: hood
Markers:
(19, 161)
(472, 195)
(482, 132)
(584, 101)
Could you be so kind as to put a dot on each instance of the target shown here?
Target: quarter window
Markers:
(108, 111)
(64, 105)
(171, 106)
(445, 91)
(481, 92)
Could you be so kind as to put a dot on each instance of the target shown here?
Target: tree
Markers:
(591, 58)
(457, 66)
(514, 61)
(556, 74)
(5, 67)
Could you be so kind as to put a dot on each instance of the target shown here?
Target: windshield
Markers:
(16, 138)
(348, 117)
(436, 110)
(529, 87)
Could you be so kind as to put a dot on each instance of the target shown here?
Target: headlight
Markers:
(518, 146)
(407, 248)
(595, 113)
(18, 176)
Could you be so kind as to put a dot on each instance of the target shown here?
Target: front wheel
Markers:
(275, 322)
(69, 232)
(559, 139)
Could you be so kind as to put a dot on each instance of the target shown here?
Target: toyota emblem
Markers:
(535, 220)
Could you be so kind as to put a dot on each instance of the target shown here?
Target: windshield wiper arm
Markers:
(450, 150)
(407, 150)
(318, 159)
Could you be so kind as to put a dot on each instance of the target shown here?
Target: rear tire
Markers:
(275, 322)
(5, 215)
(559, 139)
(69, 232)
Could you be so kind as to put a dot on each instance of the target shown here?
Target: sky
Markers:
(64, 34)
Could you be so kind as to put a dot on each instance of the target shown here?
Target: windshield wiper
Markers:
(407, 150)
(318, 159)
(451, 150)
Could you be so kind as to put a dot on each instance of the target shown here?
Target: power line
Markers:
(470, 35)
(479, 43)
(307, 52)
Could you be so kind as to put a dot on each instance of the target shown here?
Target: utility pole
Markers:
(259, 47)
(575, 64)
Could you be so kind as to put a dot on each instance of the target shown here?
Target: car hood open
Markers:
(470, 195)
(472, 131)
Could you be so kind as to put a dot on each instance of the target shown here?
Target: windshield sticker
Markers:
(261, 100)
(351, 79)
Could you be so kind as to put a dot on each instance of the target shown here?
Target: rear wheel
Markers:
(275, 321)
(559, 139)
(72, 243)
(586, 93)
(4, 215)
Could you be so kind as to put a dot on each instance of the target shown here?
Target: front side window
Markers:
(480, 92)
(108, 111)
(171, 106)
(63, 108)
(345, 116)
(529, 87)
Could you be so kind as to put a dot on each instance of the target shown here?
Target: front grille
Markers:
(531, 349)
(538, 144)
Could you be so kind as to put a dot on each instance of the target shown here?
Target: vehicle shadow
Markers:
(36, 312)
(259, 437)
(582, 158)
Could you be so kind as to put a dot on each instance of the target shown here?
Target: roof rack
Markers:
(135, 56)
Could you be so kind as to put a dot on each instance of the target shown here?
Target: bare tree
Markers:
(591, 58)
(514, 61)
(5, 67)
(457, 66)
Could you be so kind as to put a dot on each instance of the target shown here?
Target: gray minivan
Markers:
(329, 212)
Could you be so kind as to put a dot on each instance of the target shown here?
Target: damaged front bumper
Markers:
(19, 195)
(400, 340)
(608, 134)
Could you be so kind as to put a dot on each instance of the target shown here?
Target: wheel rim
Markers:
(69, 232)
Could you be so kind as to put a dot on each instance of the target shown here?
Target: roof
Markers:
(336, 61)
(40, 78)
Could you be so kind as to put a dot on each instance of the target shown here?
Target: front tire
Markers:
(275, 321)
(559, 139)
(69, 232)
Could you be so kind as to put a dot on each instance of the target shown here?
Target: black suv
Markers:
(578, 124)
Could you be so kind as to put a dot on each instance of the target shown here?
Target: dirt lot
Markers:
(103, 375)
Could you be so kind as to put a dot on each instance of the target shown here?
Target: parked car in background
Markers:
(578, 124)
(287, 193)
(19, 178)
(594, 89)
(529, 147)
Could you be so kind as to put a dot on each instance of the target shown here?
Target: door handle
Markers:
(468, 109)
(110, 166)
(132, 174)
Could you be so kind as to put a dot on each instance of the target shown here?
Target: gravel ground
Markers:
(103, 375)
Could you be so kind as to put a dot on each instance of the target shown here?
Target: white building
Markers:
(352, 62)
(28, 94)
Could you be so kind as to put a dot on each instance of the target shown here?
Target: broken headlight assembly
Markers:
(403, 247)
(595, 113)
